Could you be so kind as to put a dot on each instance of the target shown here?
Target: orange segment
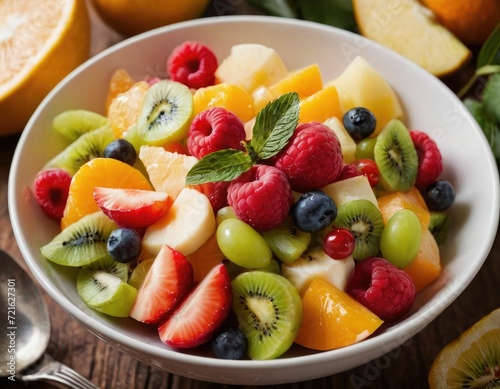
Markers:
(232, 97)
(390, 203)
(205, 258)
(333, 319)
(305, 81)
(426, 267)
(320, 106)
(120, 82)
(105, 172)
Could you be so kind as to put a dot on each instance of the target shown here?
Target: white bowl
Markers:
(430, 106)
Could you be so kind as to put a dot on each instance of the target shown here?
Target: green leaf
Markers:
(489, 53)
(223, 165)
(491, 96)
(275, 124)
(284, 8)
(337, 13)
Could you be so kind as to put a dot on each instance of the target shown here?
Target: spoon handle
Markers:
(51, 370)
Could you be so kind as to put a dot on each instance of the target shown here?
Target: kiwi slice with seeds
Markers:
(439, 225)
(286, 241)
(88, 146)
(82, 242)
(269, 312)
(365, 221)
(396, 157)
(166, 113)
(75, 122)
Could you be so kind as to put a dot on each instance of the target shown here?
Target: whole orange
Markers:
(472, 21)
(131, 17)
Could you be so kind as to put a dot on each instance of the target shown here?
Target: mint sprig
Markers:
(274, 126)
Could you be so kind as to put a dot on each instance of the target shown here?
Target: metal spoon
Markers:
(26, 321)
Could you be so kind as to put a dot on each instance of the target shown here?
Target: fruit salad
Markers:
(245, 205)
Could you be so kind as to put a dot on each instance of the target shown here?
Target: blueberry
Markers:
(439, 195)
(122, 150)
(124, 245)
(359, 122)
(314, 211)
(231, 344)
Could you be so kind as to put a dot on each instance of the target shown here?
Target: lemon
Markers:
(40, 43)
(131, 17)
(410, 29)
(472, 360)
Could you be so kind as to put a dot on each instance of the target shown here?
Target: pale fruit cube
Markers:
(347, 144)
(353, 188)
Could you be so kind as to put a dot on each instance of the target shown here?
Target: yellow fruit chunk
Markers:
(409, 29)
(361, 85)
(205, 258)
(347, 144)
(390, 203)
(471, 21)
(131, 17)
(333, 319)
(320, 106)
(472, 360)
(40, 43)
(125, 108)
(229, 96)
(251, 65)
(426, 267)
(105, 172)
(120, 82)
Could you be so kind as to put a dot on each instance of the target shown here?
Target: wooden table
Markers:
(404, 367)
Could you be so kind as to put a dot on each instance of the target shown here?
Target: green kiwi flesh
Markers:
(287, 242)
(396, 157)
(365, 221)
(76, 122)
(269, 311)
(82, 242)
(166, 113)
(439, 225)
(140, 272)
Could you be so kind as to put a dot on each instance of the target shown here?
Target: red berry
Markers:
(369, 169)
(261, 197)
(51, 188)
(216, 193)
(192, 64)
(339, 243)
(215, 129)
(430, 162)
(312, 158)
(381, 287)
(348, 171)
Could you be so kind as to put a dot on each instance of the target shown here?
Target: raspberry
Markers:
(192, 64)
(215, 129)
(216, 193)
(261, 197)
(51, 188)
(312, 158)
(430, 163)
(382, 288)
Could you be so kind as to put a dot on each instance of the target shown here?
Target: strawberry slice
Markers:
(133, 208)
(202, 313)
(169, 279)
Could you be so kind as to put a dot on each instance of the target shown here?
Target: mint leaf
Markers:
(283, 8)
(223, 165)
(275, 124)
(489, 52)
(491, 96)
(337, 13)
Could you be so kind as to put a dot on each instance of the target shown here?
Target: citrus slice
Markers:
(472, 360)
(105, 172)
(120, 82)
(37, 50)
(410, 29)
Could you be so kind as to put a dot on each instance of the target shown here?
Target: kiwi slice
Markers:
(166, 113)
(102, 285)
(286, 241)
(82, 242)
(396, 157)
(269, 311)
(75, 122)
(88, 146)
(365, 221)
(140, 272)
(439, 225)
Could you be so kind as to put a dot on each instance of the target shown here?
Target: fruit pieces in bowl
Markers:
(250, 226)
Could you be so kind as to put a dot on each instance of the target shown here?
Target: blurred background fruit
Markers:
(131, 17)
(39, 45)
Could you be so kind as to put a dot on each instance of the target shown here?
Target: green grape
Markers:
(364, 149)
(225, 213)
(243, 245)
(401, 238)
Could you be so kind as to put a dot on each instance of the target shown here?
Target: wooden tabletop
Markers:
(404, 367)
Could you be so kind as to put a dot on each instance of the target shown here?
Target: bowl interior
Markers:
(428, 104)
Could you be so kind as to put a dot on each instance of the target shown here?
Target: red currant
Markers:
(339, 243)
(368, 168)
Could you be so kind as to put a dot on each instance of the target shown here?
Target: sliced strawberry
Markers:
(201, 314)
(133, 208)
(169, 279)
